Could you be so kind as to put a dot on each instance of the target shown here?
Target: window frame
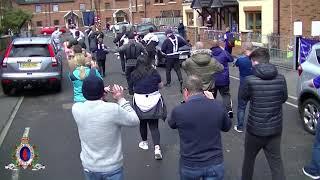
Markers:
(40, 22)
(56, 20)
(254, 20)
(83, 5)
(38, 8)
(107, 6)
(158, 1)
(55, 8)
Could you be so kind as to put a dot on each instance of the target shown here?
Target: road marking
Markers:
(292, 97)
(293, 105)
(15, 175)
(12, 116)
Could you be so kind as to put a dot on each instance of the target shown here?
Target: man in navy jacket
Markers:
(171, 47)
(199, 122)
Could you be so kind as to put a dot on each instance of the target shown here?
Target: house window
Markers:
(158, 1)
(253, 21)
(38, 8)
(56, 22)
(82, 7)
(55, 8)
(39, 23)
(190, 19)
(107, 6)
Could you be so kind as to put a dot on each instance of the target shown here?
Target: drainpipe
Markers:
(279, 17)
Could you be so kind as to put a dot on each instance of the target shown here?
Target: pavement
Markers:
(54, 132)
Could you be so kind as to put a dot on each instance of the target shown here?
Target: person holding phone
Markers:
(99, 126)
(312, 170)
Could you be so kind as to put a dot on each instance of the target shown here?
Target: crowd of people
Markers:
(199, 119)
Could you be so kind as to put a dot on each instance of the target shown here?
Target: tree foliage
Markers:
(14, 19)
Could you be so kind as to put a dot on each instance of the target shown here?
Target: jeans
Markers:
(271, 147)
(314, 166)
(225, 94)
(129, 70)
(175, 64)
(153, 126)
(213, 172)
(114, 175)
(242, 105)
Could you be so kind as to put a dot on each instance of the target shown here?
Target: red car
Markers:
(50, 30)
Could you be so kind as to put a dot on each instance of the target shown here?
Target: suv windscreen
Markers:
(30, 50)
(318, 55)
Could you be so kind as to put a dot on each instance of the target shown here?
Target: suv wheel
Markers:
(6, 89)
(309, 114)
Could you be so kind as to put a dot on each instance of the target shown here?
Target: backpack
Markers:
(131, 55)
(231, 40)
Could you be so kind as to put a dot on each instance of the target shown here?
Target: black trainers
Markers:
(308, 172)
(167, 85)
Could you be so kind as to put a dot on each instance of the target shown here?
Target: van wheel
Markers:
(6, 89)
(309, 114)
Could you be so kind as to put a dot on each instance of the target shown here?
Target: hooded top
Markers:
(267, 91)
(222, 79)
(77, 83)
(202, 64)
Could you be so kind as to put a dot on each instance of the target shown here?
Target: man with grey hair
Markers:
(199, 121)
(245, 69)
(203, 65)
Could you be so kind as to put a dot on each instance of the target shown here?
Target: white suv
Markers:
(309, 98)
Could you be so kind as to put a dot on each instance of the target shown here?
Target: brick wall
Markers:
(305, 11)
(152, 10)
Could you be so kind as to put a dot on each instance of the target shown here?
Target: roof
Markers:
(32, 40)
(197, 4)
(70, 12)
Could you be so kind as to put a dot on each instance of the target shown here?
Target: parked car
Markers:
(184, 52)
(50, 30)
(309, 98)
(31, 62)
(143, 29)
(118, 26)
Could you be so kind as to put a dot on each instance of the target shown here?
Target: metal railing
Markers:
(173, 21)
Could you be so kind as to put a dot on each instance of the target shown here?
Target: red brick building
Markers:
(62, 12)
(297, 10)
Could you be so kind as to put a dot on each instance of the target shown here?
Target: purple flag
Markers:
(305, 48)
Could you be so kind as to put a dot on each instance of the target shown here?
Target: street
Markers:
(54, 132)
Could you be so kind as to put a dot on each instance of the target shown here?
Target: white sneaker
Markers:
(157, 153)
(237, 129)
(144, 145)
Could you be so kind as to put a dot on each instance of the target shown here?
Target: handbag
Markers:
(159, 111)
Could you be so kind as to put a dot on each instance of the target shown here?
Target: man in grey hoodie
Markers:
(203, 65)
(99, 125)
